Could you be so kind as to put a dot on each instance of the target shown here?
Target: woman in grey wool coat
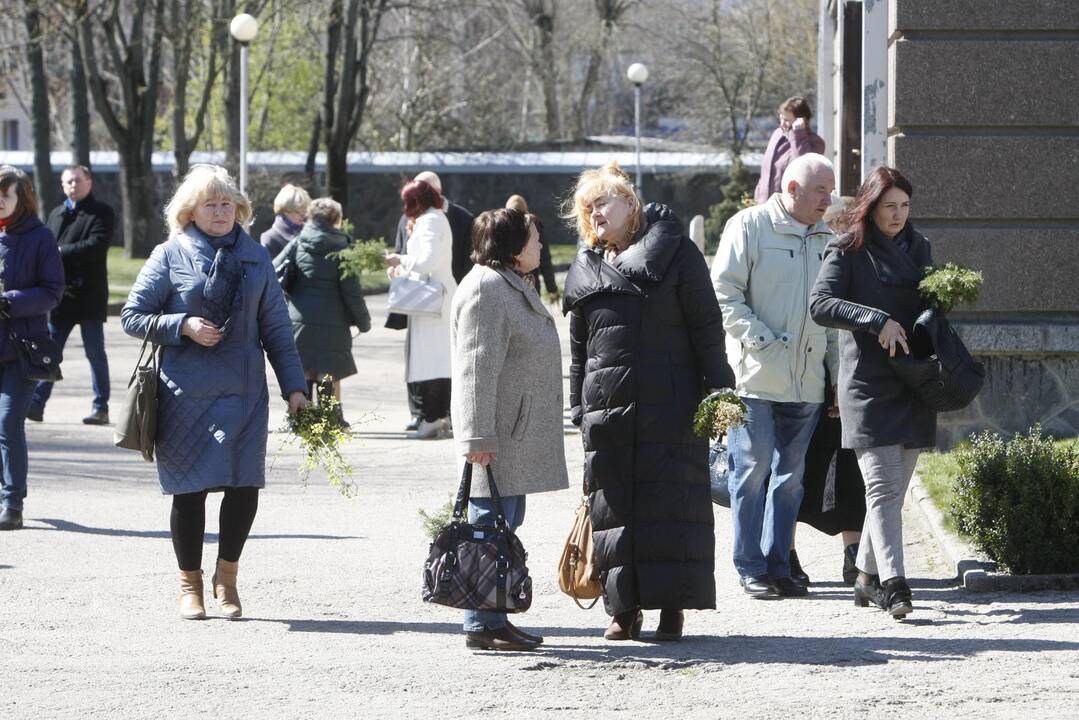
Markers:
(507, 397)
(209, 297)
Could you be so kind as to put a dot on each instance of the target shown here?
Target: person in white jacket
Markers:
(764, 269)
(429, 252)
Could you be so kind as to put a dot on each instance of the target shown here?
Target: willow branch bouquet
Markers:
(362, 256)
(318, 431)
(719, 413)
(945, 286)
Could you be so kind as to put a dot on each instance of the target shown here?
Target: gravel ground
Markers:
(334, 626)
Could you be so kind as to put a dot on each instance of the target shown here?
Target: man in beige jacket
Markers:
(763, 271)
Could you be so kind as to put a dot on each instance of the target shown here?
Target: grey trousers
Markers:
(887, 471)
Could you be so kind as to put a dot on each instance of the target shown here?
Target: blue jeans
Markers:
(15, 392)
(93, 342)
(768, 451)
(481, 511)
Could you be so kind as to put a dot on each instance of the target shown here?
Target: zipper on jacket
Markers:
(800, 364)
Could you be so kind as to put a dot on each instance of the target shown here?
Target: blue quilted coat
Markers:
(213, 402)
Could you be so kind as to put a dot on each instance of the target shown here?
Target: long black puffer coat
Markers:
(646, 342)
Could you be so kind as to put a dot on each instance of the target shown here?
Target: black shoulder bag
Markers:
(39, 358)
(477, 567)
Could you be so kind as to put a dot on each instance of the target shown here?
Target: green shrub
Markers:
(737, 195)
(948, 285)
(1018, 500)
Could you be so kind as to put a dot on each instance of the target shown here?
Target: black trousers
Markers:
(188, 524)
(433, 398)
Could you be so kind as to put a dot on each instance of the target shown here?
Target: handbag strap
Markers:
(464, 492)
(573, 588)
(142, 351)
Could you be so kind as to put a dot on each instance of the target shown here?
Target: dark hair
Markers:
(880, 180)
(81, 168)
(418, 197)
(498, 236)
(24, 193)
(797, 106)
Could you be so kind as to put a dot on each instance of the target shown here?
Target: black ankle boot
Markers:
(670, 626)
(798, 575)
(867, 590)
(896, 598)
(850, 570)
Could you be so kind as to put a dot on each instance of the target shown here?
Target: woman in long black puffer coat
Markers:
(647, 346)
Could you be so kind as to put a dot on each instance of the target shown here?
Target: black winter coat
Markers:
(646, 337)
(461, 228)
(84, 236)
(857, 291)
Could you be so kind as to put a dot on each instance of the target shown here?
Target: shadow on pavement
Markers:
(6, 567)
(366, 627)
(68, 526)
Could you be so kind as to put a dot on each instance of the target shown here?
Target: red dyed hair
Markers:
(880, 180)
(417, 197)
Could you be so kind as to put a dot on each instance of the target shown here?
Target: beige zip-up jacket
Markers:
(764, 269)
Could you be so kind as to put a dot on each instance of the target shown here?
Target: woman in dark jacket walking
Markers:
(31, 284)
(868, 286)
(321, 304)
(647, 344)
(290, 211)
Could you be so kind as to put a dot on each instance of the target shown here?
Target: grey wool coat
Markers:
(321, 304)
(213, 402)
(507, 383)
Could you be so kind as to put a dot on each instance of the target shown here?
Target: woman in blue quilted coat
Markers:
(209, 296)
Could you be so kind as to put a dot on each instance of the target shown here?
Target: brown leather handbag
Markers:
(577, 575)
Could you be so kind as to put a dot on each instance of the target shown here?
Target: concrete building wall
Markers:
(983, 120)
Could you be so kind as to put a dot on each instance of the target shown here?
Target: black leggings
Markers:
(188, 525)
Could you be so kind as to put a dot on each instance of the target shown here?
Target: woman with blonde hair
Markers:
(290, 211)
(323, 305)
(208, 295)
(647, 344)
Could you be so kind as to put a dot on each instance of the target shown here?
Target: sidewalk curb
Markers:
(973, 572)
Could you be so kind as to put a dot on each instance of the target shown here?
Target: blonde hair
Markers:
(324, 210)
(202, 183)
(516, 202)
(591, 184)
(291, 198)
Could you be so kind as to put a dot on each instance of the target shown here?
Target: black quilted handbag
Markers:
(477, 567)
(939, 370)
(39, 358)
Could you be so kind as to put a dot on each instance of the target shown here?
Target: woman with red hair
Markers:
(428, 254)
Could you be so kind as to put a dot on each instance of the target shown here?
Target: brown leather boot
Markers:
(191, 605)
(224, 584)
(625, 626)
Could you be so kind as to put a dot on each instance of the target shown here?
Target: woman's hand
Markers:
(202, 331)
(481, 458)
(798, 123)
(297, 401)
(393, 260)
(891, 334)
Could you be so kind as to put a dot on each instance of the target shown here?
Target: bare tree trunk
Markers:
(44, 185)
(80, 109)
(312, 148)
(548, 74)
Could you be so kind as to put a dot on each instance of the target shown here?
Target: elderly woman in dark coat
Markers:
(31, 284)
(868, 287)
(208, 295)
(323, 305)
(647, 343)
(290, 211)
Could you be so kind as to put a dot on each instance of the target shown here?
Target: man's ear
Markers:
(791, 188)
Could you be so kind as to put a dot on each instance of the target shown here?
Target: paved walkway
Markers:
(335, 628)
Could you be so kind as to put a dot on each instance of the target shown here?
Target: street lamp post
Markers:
(243, 29)
(638, 75)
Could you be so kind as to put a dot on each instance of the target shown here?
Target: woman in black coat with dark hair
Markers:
(647, 344)
(868, 287)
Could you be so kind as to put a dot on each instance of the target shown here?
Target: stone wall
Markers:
(982, 120)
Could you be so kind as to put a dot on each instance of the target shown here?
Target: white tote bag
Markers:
(415, 294)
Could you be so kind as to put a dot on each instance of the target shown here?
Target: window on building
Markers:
(9, 135)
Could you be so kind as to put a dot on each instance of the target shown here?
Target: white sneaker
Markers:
(434, 430)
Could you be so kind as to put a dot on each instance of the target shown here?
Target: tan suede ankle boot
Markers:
(191, 605)
(224, 583)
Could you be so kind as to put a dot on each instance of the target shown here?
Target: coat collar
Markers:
(518, 284)
(784, 224)
(649, 257)
(247, 250)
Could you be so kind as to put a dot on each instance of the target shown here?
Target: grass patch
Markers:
(563, 253)
(122, 273)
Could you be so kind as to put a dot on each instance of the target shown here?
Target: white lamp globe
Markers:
(244, 28)
(637, 74)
